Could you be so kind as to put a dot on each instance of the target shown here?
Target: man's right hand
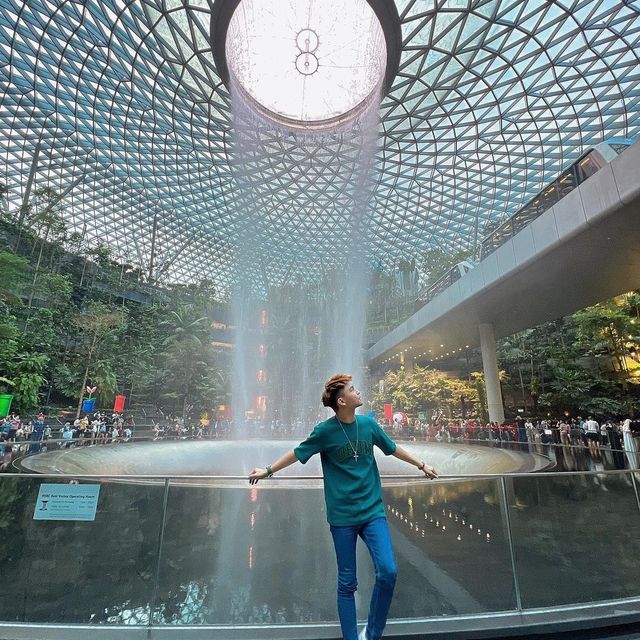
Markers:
(257, 474)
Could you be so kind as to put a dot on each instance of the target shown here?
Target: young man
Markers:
(353, 495)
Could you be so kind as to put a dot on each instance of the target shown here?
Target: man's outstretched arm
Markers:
(404, 455)
(258, 474)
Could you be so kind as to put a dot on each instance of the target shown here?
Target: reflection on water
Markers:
(234, 457)
(578, 458)
(256, 556)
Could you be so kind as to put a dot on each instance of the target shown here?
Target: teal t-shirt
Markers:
(352, 488)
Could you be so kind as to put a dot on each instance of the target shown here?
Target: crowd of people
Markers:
(526, 434)
(99, 427)
(13, 429)
(588, 433)
(18, 436)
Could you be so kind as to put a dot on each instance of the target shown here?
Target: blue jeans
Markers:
(375, 534)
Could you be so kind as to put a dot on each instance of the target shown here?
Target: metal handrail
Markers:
(151, 438)
(414, 476)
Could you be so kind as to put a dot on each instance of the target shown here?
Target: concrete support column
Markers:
(490, 367)
(406, 362)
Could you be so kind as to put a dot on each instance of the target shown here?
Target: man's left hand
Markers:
(429, 472)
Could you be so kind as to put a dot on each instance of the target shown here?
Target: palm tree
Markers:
(184, 347)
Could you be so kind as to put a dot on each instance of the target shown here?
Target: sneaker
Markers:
(363, 634)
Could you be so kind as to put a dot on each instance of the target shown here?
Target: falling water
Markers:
(300, 301)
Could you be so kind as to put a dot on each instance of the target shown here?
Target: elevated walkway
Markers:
(581, 251)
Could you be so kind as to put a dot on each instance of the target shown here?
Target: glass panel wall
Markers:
(231, 554)
(78, 572)
(576, 537)
(246, 555)
(264, 555)
(448, 538)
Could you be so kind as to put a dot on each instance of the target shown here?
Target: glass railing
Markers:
(166, 552)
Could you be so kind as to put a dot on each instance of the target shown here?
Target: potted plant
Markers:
(89, 401)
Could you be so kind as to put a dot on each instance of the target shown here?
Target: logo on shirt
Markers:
(346, 452)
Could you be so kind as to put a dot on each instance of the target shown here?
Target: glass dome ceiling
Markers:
(117, 104)
(299, 62)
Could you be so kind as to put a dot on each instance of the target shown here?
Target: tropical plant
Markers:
(104, 378)
(14, 273)
(9, 332)
(567, 364)
(428, 391)
(94, 327)
(6, 384)
(46, 220)
(604, 331)
(477, 380)
(184, 353)
(28, 379)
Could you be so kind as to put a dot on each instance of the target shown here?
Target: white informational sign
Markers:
(67, 502)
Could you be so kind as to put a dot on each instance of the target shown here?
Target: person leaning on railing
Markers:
(353, 495)
(630, 436)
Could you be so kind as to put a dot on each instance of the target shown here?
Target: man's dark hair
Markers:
(333, 387)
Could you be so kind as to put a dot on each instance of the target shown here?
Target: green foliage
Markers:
(584, 363)
(27, 379)
(187, 355)
(104, 377)
(45, 216)
(605, 331)
(14, 273)
(477, 379)
(54, 289)
(138, 343)
(211, 389)
(101, 254)
(187, 329)
(41, 332)
(67, 378)
(63, 324)
(9, 333)
(426, 390)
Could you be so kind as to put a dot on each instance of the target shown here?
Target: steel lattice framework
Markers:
(117, 104)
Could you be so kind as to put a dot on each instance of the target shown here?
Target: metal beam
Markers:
(30, 180)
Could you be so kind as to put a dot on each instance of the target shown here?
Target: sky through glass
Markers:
(306, 61)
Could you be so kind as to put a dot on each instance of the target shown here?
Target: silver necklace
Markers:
(355, 451)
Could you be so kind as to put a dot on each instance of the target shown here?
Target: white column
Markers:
(490, 367)
(406, 361)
